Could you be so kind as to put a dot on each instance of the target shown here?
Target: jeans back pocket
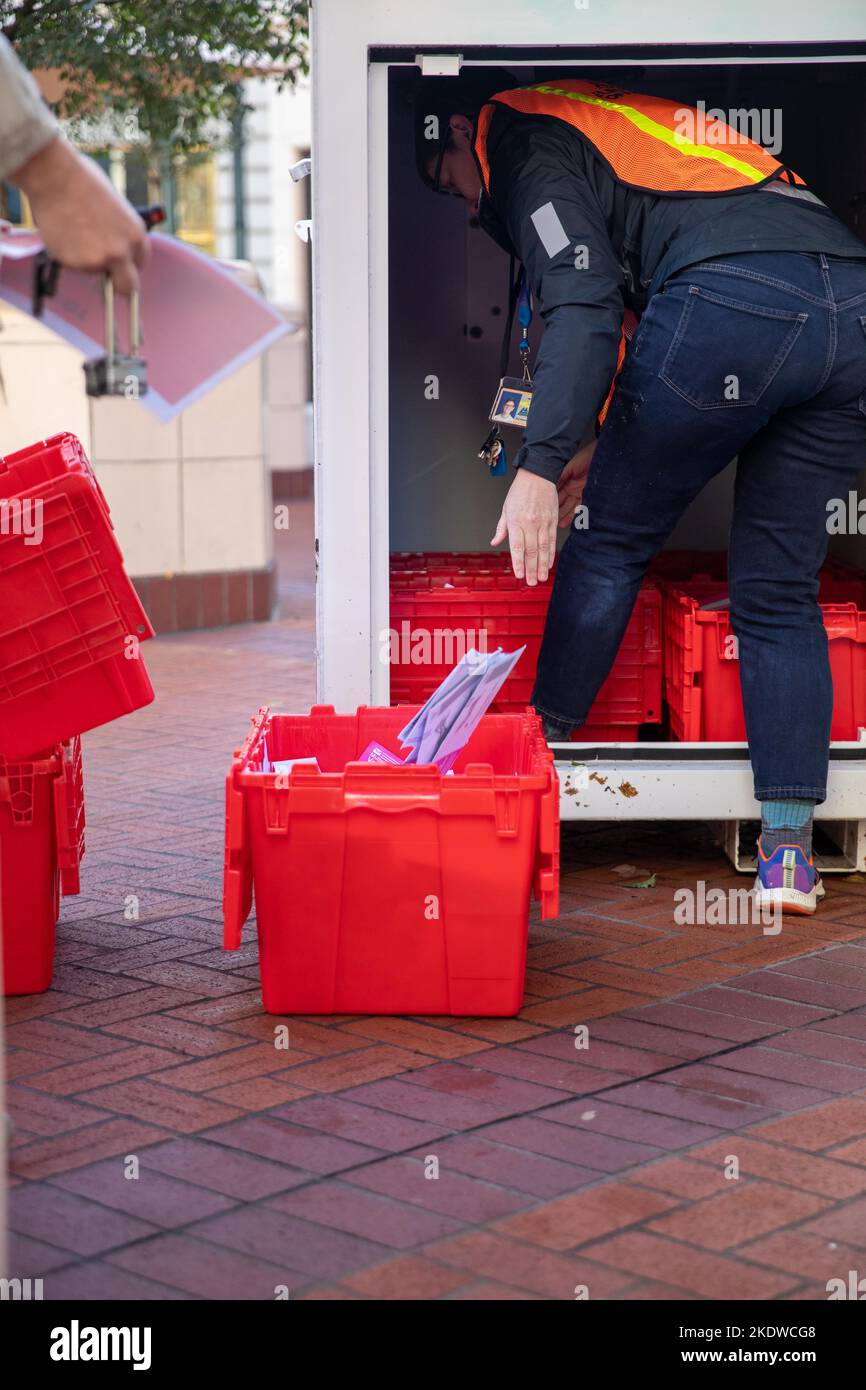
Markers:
(726, 352)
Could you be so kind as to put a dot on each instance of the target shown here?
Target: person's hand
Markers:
(529, 521)
(572, 481)
(84, 221)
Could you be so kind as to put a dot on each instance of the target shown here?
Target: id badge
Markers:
(512, 401)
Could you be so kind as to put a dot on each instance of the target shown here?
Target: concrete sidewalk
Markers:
(164, 1149)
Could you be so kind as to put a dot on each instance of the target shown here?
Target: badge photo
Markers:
(512, 402)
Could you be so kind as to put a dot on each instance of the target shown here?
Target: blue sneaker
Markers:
(789, 879)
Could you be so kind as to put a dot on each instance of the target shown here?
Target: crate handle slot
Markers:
(545, 880)
(238, 872)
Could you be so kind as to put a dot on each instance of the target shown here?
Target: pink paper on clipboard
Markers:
(199, 322)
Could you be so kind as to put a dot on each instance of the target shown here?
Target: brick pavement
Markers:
(558, 1167)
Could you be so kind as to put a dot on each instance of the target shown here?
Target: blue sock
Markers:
(786, 823)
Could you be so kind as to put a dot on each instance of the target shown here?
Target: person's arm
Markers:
(559, 232)
(26, 124)
(84, 221)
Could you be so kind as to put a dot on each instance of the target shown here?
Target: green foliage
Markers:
(169, 67)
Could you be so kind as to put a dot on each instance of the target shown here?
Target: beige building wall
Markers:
(187, 497)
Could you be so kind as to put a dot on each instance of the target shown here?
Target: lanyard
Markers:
(519, 300)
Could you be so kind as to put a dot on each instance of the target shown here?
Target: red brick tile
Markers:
(743, 1003)
(263, 1232)
(58, 1041)
(365, 1214)
(224, 1012)
(294, 1144)
(748, 1087)
(819, 1128)
(631, 1031)
(487, 1291)
(118, 1065)
(22, 1063)
(584, 1216)
(68, 1151)
(408, 1277)
(696, 1271)
(33, 1259)
(846, 1222)
(145, 1100)
(827, 998)
(310, 1039)
(600, 1152)
(93, 1280)
(204, 1270)
(732, 1217)
(63, 1219)
(627, 1122)
(504, 1095)
(177, 1034)
(524, 1172)
(802, 1071)
(602, 1056)
(37, 1005)
(152, 1197)
(243, 1063)
(826, 1176)
(345, 1119)
(219, 1169)
(501, 1030)
(729, 1027)
(262, 1093)
(106, 1012)
(353, 1069)
(804, 1256)
(38, 1113)
(682, 1102)
(451, 1194)
(683, 1177)
(622, 977)
(178, 974)
(404, 1033)
(540, 1271)
(577, 1008)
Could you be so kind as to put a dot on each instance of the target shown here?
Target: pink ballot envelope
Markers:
(199, 322)
(375, 752)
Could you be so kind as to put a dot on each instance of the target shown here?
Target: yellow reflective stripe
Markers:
(658, 132)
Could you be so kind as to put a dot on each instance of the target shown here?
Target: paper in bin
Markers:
(376, 752)
(443, 726)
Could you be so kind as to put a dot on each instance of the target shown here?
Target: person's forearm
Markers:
(575, 367)
(26, 124)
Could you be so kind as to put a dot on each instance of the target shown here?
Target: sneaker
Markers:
(788, 878)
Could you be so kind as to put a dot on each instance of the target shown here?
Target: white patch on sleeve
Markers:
(550, 230)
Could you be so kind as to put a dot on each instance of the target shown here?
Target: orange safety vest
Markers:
(648, 142)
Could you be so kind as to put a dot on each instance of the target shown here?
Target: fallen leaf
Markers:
(640, 882)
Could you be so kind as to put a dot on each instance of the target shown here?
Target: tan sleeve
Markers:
(26, 124)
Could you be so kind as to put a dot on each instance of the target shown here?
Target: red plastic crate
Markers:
(41, 846)
(70, 620)
(414, 561)
(702, 672)
(494, 609)
(383, 890)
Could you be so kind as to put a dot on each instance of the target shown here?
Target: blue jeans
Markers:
(762, 356)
